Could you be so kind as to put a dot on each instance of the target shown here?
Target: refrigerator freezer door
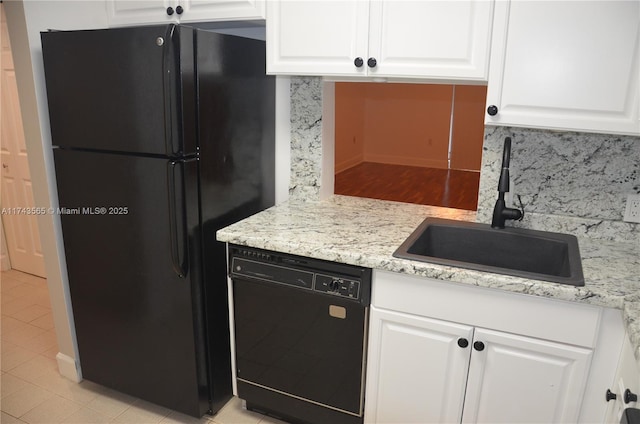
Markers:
(125, 89)
(126, 234)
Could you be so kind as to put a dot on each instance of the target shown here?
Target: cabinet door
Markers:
(627, 377)
(570, 65)
(416, 370)
(221, 10)
(521, 379)
(316, 37)
(434, 39)
(132, 12)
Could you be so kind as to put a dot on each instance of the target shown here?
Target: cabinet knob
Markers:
(462, 342)
(479, 346)
(371, 63)
(610, 395)
(629, 396)
(358, 62)
(169, 10)
(179, 10)
(492, 110)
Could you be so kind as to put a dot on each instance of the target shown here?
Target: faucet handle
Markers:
(521, 207)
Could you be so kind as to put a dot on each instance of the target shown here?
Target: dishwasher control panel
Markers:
(329, 278)
(336, 285)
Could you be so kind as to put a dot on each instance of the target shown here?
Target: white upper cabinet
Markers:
(570, 65)
(140, 12)
(131, 12)
(316, 37)
(221, 10)
(439, 39)
(446, 40)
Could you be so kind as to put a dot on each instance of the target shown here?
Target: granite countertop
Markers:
(366, 232)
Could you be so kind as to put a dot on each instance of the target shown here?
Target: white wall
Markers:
(283, 138)
(26, 19)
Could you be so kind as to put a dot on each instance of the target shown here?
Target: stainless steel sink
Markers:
(538, 255)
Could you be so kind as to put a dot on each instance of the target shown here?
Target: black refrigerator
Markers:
(161, 135)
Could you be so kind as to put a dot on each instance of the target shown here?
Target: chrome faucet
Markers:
(500, 211)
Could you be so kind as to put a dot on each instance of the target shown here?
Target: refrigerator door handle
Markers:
(177, 225)
(171, 96)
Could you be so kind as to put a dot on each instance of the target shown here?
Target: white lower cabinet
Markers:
(419, 368)
(625, 385)
(442, 352)
(515, 379)
(416, 372)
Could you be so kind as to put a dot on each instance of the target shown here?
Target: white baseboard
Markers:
(408, 161)
(68, 367)
(349, 163)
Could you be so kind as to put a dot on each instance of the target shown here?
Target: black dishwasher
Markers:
(301, 335)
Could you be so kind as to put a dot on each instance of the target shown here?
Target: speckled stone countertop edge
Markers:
(442, 272)
(366, 232)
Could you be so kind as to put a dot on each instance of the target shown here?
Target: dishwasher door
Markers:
(300, 343)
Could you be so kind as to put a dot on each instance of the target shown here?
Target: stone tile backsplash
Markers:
(569, 182)
(306, 138)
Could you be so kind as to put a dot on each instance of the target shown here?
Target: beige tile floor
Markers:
(34, 392)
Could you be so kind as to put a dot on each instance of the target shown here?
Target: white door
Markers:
(571, 65)
(317, 37)
(19, 215)
(416, 370)
(517, 379)
(434, 39)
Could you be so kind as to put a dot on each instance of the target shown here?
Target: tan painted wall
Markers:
(408, 124)
(468, 127)
(350, 116)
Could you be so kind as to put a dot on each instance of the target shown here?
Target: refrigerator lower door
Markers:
(130, 227)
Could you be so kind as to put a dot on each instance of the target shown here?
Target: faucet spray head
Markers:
(503, 183)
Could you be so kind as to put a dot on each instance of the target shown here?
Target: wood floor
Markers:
(411, 184)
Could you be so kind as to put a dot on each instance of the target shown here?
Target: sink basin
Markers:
(538, 255)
